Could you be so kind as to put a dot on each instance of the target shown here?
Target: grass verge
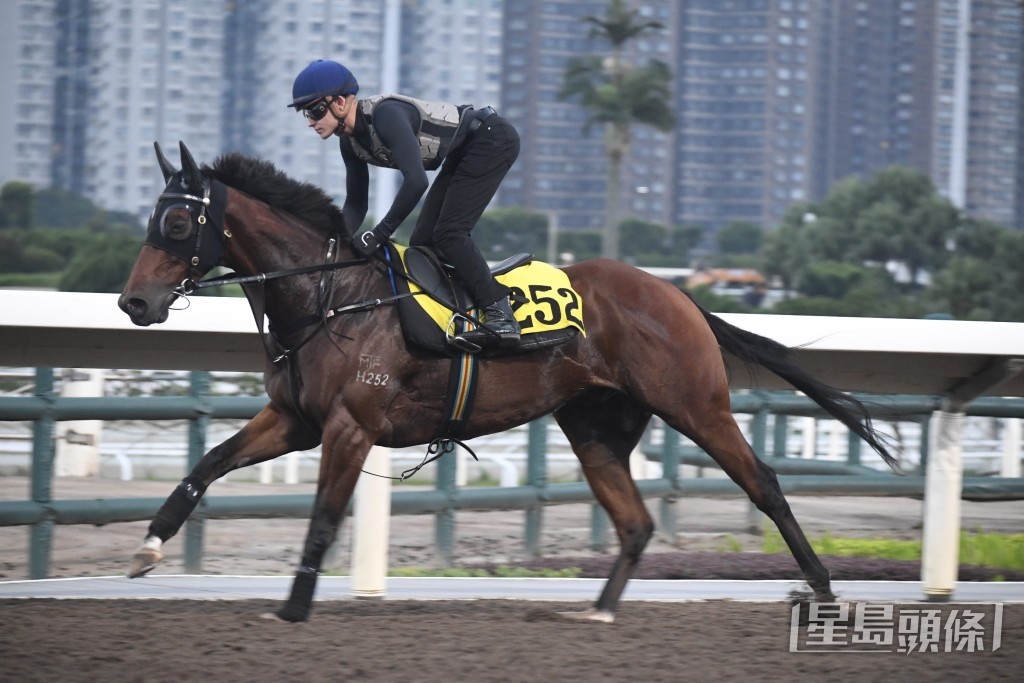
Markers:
(997, 551)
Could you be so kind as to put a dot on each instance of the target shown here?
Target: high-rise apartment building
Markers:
(559, 171)
(155, 74)
(978, 95)
(775, 100)
(875, 83)
(268, 43)
(747, 104)
(27, 98)
(451, 51)
(934, 85)
(562, 170)
(71, 94)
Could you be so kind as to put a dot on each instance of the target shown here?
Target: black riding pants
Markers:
(463, 188)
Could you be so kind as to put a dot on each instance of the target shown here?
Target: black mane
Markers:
(262, 180)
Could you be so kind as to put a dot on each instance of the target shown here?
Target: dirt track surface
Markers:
(480, 641)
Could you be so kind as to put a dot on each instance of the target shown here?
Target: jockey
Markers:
(474, 149)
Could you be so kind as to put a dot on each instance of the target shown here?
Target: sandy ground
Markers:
(446, 641)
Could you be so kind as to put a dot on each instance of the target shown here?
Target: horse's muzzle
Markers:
(140, 311)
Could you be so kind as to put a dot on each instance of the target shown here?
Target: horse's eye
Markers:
(176, 223)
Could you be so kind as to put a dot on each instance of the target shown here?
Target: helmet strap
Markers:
(339, 119)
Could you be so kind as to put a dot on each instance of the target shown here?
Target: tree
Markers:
(785, 251)
(685, 238)
(983, 278)
(896, 215)
(835, 280)
(740, 237)
(16, 205)
(977, 237)
(1010, 277)
(102, 266)
(966, 288)
(582, 244)
(617, 95)
(58, 208)
(641, 237)
(718, 303)
(512, 230)
(922, 221)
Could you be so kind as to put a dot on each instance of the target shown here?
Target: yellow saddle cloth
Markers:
(543, 300)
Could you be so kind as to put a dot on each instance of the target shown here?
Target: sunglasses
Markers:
(317, 111)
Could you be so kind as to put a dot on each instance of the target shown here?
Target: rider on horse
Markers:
(474, 148)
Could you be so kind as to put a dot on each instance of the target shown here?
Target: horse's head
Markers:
(184, 241)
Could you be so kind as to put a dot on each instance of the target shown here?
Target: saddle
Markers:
(548, 310)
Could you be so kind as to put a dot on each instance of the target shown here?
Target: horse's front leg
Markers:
(269, 434)
(345, 447)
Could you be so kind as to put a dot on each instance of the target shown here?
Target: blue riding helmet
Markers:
(320, 79)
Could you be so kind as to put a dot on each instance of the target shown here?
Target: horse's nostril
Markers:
(137, 307)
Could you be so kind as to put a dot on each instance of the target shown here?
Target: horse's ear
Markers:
(192, 176)
(165, 166)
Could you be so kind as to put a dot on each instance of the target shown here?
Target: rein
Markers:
(437, 447)
(189, 285)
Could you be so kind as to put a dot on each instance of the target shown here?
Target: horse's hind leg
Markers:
(717, 433)
(604, 427)
(268, 435)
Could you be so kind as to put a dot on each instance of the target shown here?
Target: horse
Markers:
(648, 350)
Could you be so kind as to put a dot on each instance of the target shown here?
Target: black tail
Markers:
(757, 350)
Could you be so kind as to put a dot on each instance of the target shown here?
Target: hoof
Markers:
(800, 597)
(270, 616)
(596, 616)
(143, 561)
(292, 615)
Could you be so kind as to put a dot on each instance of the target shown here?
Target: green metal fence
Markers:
(42, 513)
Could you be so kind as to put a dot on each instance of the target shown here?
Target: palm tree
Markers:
(618, 95)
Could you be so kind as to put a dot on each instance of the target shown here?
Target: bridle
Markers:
(204, 207)
(207, 213)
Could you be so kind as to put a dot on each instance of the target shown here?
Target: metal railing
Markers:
(42, 512)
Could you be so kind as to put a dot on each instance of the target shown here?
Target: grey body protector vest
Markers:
(439, 124)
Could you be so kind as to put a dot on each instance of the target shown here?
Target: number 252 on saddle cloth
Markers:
(548, 309)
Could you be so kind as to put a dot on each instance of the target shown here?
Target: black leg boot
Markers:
(500, 319)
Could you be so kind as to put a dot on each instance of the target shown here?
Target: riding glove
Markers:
(368, 242)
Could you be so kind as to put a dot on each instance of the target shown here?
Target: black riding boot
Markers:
(499, 318)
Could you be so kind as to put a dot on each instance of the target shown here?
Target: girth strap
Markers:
(459, 399)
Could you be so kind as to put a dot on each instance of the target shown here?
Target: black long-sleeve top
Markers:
(396, 123)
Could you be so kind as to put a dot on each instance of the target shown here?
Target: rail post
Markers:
(1010, 464)
(853, 443)
(940, 537)
(444, 521)
(779, 435)
(537, 477)
(41, 537)
(670, 471)
(199, 389)
(77, 446)
(926, 439)
(371, 526)
(759, 442)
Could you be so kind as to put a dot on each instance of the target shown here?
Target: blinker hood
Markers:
(205, 249)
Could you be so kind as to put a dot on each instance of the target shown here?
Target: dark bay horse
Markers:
(649, 350)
